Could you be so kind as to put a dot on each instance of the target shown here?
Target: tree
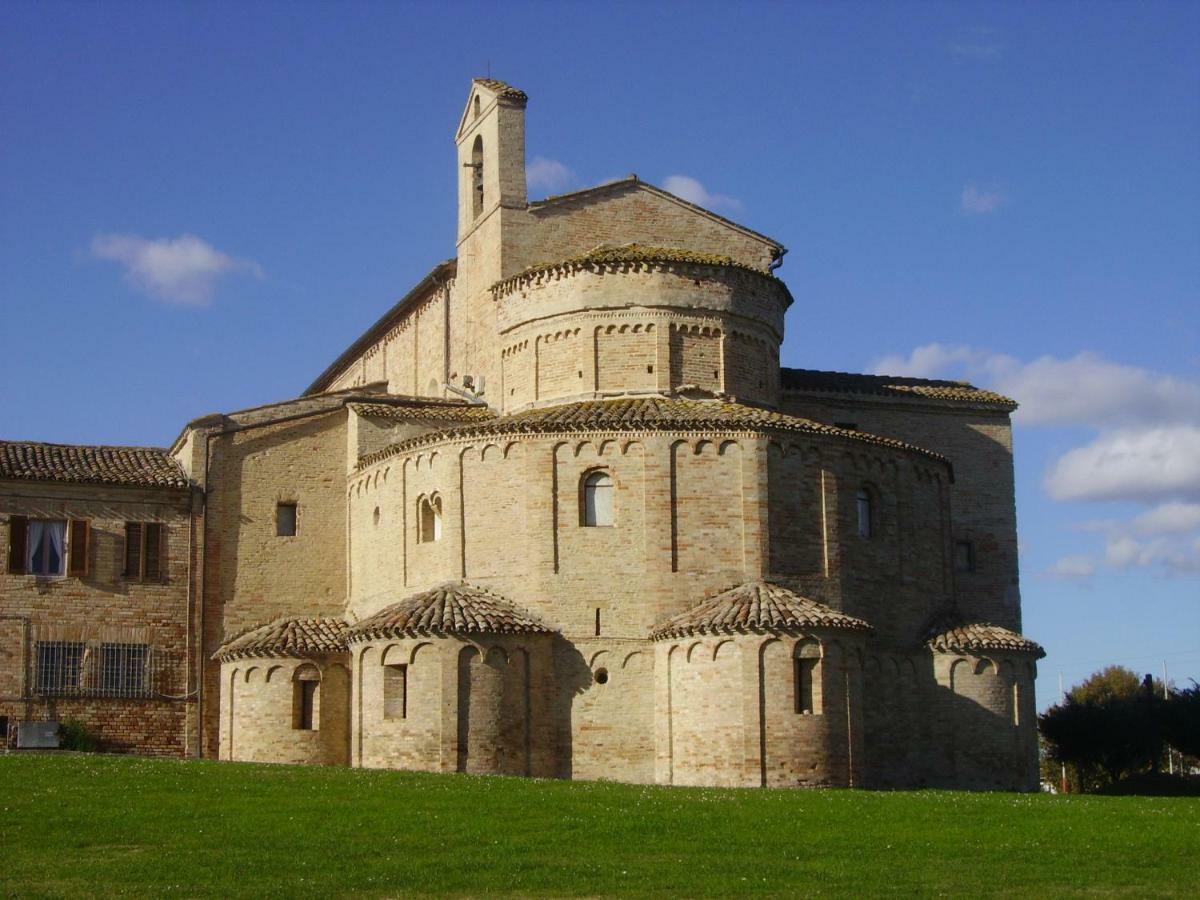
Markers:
(1108, 728)
(1181, 720)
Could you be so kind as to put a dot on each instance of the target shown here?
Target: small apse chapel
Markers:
(559, 512)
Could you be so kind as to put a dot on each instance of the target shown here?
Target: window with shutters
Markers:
(48, 548)
(145, 544)
(395, 692)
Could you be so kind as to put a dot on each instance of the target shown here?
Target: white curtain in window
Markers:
(33, 542)
(57, 532)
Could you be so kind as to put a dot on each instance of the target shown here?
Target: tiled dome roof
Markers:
(299, 638)
(451, 608)
(756, 607)
(642, 414)
(950, 634)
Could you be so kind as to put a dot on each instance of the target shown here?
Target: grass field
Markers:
(105, 826)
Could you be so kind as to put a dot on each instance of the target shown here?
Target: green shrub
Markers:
(73, 735)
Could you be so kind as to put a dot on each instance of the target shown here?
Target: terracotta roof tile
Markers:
(451, 608)
(502, 89)
(139, 466)
(951, 634)
(642, 414)
(424, 412)
(297, 638)
(756, 607)
(630, 254)
(812, 380)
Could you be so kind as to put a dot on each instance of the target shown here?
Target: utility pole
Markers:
(1170, 758)
(1062, 696)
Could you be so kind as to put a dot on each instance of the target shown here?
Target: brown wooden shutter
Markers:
(133, 549)
(77, 547)
(153, 564)
(17, 531)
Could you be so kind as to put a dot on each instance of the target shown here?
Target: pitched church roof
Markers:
(297, 638)
(80, 464)
(451, 608)
(502, 88)
(754, 608)
(813, 380)
(653, 413)
(950, 633)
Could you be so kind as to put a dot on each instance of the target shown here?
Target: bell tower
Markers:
(491, 153)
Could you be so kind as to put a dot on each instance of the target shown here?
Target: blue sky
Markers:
(202, 204)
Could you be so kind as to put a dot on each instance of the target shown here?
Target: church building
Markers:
(559, 512)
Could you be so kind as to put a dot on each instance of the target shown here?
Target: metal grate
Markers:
(101, 669)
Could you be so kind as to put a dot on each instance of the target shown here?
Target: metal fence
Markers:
(101, 669)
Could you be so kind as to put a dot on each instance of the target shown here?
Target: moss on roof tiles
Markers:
(455, 607)
(424, 412)
(951, 633)
(298, 638)
(757, 607)
(642, 414)
(82, 464)
(502, 88)
(630, 254)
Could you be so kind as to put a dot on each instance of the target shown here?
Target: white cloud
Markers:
(1073, 567)
(1145, 446)
(1085, 389)
(549, 175)
(977, 201)
(1143, 465)
(982, 44)
(182, 270)
(1169, 518)
(927, 361)
(693, 191)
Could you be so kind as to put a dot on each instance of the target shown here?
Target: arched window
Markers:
(865, 507)
(429, 519)
(597, 499)
(477, 177)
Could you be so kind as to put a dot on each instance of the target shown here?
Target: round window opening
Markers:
(601, 676)
(376, 515)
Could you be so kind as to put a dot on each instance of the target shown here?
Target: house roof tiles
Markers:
(451, 608)
(297, 638)
(754, 608)
(79, 464)
(425, 412)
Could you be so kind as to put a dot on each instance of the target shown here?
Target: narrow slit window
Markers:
(805, 670)
(863, 505)
(964, 556)
(429, 519)
(597, 500)
(306, 702)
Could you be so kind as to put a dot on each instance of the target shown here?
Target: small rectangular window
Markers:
(964, 556)
(144, 550)
(123, 669)
(59, 667)
(395, 692)
(285, 519)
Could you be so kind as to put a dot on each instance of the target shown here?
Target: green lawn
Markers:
(105, 825)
